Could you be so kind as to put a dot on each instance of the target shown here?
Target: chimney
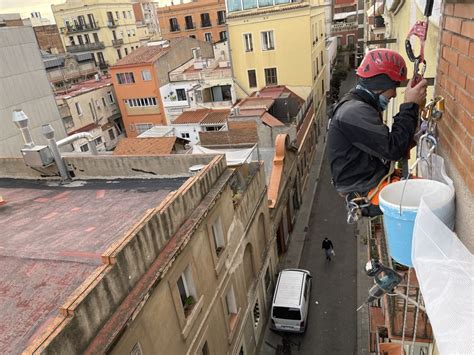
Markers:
(21, 121)
(48, 133)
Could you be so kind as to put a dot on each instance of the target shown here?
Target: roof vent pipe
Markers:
(48, 133)
(21, 120)
(81, 135)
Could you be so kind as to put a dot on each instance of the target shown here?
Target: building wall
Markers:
(125, 28)
(292, 54)
(194, 9)
(49, 39)
(455, 82)
(24, 85)
(154, 115)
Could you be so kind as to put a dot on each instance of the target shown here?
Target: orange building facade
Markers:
(202, 19)
(137, 89)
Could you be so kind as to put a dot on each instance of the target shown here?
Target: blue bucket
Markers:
(400, 209)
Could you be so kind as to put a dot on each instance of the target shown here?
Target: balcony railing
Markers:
(206, 24)
(343, 26)
(190, 27)
(80, 28)
(86, 47)
(112, 24)
(117, 42)
(174, 28)
(103, 65)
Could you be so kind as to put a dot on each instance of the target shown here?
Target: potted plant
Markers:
(188, 305)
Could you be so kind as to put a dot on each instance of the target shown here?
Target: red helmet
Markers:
(383, 61)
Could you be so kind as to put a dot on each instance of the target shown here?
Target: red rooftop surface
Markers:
(142, 55)
(84, 87)
(51, 241)
(203, 116)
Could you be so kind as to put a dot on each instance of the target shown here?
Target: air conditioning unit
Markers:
(39, 156)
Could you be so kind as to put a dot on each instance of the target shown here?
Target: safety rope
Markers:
(406, 309)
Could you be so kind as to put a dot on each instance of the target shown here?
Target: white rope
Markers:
(406, 310)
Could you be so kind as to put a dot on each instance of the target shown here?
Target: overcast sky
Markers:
(25, 7)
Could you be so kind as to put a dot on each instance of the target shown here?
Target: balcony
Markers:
(87, 47)
(343, 26)
(206, 24)
(103, 65)
(190, 27)
(112, 24)
(117, 42)
(80, 28)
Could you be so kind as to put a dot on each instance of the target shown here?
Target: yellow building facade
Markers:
(277, 44)
(106, 29)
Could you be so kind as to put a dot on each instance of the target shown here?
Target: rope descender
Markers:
(420, 30)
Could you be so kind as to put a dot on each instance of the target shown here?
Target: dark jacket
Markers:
(327, 244)
(360, 146)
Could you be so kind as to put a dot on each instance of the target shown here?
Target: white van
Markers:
(291, 301)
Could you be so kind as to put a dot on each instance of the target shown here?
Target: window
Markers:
(124, 13)
(104, 103)
(268, 280)
(220, 17)
(189, 22)
(208, 37)
(248, 42)
(146, 75)
(271, 76)
(98, 141)
(205, 20)
(126, 51)
(84, 147)
(97, 104)
(133, 32)
(230, 302)
(322, 86)
(286, 313)
(141, 102)
(187, 292)
(223, 36)
(110, 97)
(218, 236)
(78, 108)
(96, 37)
(322, 58)
(267, 41)
(129, 14)
(87, 39)
(119, 53)
(192, 36)
(174, 26)
(71, 41)
(136, 350)
(181, 94)
(252, 78)
(111, 134)
(117, 15)
(317, 66)
(125, 78)
(129, 33)
(185, 135)
(143, 127)
(256, 314)
(205, 349)
(350, 40)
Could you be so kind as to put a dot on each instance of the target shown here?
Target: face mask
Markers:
(383, 102)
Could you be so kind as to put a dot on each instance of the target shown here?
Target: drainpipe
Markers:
(82, 135)
(48, 133)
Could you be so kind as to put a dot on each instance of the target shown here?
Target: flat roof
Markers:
(51, 241)
(85, 86)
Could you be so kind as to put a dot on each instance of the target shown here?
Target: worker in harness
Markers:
(361, 147)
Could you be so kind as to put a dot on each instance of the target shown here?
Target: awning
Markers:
(343, 15)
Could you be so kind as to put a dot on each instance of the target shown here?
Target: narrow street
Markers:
(332, 318)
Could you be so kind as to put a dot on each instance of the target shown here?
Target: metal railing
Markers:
(117, 42)
(81, 28)
(85, 47)
(174, 28)
(337, 27)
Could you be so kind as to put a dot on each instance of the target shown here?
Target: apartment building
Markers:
(137, 79)
(201, 19)
(24, 85)
(200, 83)
(146, 20)
(191, 262)
(345, 28)
(106, 29)
(91, 106)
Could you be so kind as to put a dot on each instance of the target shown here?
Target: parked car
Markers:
(291, 301)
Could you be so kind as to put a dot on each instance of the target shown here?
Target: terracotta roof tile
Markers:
(145, 146)
(271, 121)
(256, 102)
(188, 117)
(240, 132)
(216, 116)
(141, 55)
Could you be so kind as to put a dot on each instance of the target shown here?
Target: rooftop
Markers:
(146, 146)
(85, 86)
(203, 116)
(142, 55)
(54, 236)
(239, 133)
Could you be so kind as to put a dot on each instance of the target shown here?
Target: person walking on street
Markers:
(360, 146)
(328, 248)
